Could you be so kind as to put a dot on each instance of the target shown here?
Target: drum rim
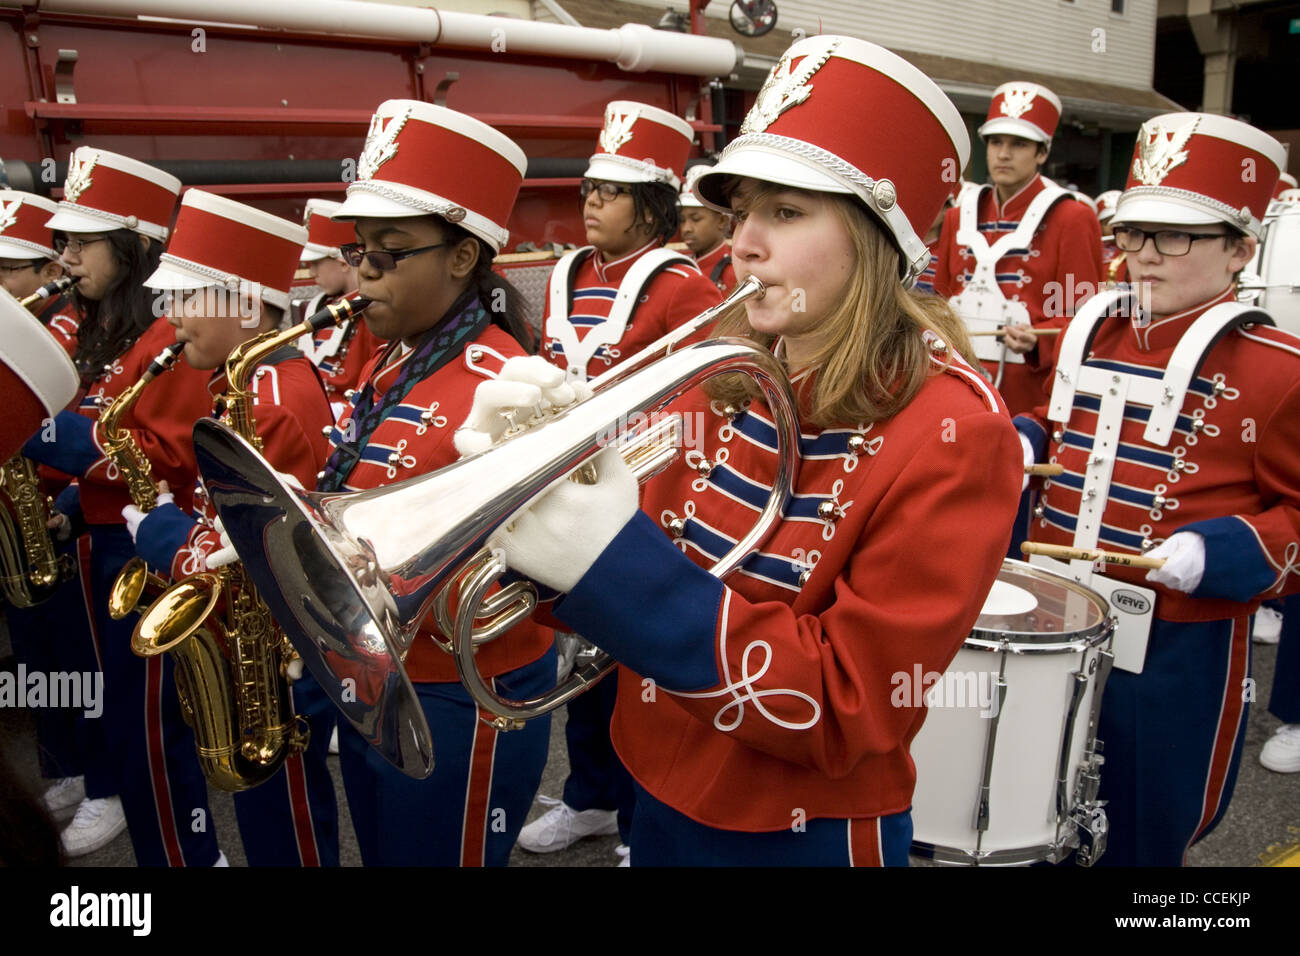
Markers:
(1016, 856)
(1032, 642)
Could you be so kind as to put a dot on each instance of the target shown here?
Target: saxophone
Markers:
(135, 579)
(231, 657)
(31, 567)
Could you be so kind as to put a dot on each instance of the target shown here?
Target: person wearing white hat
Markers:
(109, 228)
(705, 232)
(339, 353)
(1111, 257)
(604, 303)
(27, 263)
(1021, 253)
(1176, 416)
(430, 209)
(228, 268)
(755, 714)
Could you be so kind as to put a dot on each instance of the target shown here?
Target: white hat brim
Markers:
(366, 205)
(768, 166)
(170, 278)
(12, 250)
(314, 253)
(1013, 127)
(67, 221)
(1149, 209)
(603, 169)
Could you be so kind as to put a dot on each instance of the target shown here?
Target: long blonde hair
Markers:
(873, 358)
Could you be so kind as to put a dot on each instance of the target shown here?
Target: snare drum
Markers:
(1006, 761)
(1272, 280)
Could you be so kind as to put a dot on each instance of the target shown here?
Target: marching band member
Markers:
(604, 302)
(66, 738)
(228, 267)
(704, 231)
(340, 354)
(1204, 465)
(114, 216)
(35, 382)
(754, 715)
(1022, 252)
(430, 205)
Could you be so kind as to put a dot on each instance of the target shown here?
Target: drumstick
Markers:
(1063, 553)
(999, 331)
(1044, 470)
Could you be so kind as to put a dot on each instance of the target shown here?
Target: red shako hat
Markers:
(106, 191)
(220, 242)
(1193, 169)
(37, 379)
(1024, 109)
(420, 159)
(23, 233)
(641, 144)
(799, 134)
(324, 235)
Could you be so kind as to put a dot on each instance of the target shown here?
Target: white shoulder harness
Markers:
(578, 352)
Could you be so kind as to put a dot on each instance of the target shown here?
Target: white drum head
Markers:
(1006, 598)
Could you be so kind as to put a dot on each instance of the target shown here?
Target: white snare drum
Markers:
(1275, 284)
(1006, 761)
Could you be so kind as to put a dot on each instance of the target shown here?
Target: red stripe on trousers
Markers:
(1225, 738)
(158, 762)
(301, 810)
(473, 838)
(83, 562)
(864, 842)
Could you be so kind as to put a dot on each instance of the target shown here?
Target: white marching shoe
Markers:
(97, 824)
(63, 796)
(1281, 752)
(562, 826)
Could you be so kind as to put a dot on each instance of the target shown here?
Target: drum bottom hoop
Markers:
(1021, 856)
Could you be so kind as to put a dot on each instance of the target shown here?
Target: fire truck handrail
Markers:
(633, 47)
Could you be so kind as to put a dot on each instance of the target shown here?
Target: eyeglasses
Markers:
(74, 245)
(34, 264)
(381, 259)
(1169, 242)
(607, 192)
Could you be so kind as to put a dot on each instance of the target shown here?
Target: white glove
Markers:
(226, 554)
(526, 383)
(1184, 555)
(134, 516)
(1029, 458)
(293, 670)
(558, 539)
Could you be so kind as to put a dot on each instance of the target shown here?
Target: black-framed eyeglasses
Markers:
(1169, 242)
(74, 245)
(34, 264)
(607, 192)
(381, 259)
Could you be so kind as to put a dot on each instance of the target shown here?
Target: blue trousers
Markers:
(163, 791)
(1173, 740)
(470, 810)
(663, 837)
(57, 636)
(1284, 700)
(597, 779)
(293, 818)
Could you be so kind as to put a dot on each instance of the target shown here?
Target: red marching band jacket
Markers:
(61, 318)
(676, 294)
(160, 422)
(716, 266)
(742, 703)
(416, 438)
(1231, 471)
(291, 415)
(341, 368)
(1052, 278)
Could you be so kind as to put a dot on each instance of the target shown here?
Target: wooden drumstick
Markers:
(1063, 553)
(1044, 470)
(1023, 329)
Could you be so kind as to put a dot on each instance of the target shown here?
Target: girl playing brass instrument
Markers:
(757, 717)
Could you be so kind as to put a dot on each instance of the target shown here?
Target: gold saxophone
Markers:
(135, 579)
(231, 656)
(31, 567)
